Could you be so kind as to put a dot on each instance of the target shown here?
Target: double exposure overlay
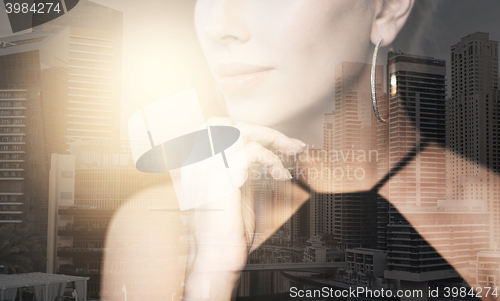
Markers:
(249, 150)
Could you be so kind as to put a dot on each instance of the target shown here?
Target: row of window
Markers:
(91, 41)
(88, 48)
(11, 147)
(10, 157)
(11, 121)
(11, 104)
(11, 174)
(7, 95)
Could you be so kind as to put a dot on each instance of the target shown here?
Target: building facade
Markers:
(273, 205)
(350, 215)
(473, 123)
(416, 126)
(316, 251)
(366, 261)
(12, 154)
(60, 83)
(33, 81)
(417, 101)
(94, 79)
(457, 229)
(485, 270)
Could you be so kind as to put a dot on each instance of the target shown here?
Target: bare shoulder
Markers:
(145, 247)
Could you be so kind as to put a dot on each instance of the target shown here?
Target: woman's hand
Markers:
(223, 230)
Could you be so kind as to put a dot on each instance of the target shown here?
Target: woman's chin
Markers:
(254, 114)
(259, 120)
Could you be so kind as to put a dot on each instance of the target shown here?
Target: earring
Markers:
(374, 96)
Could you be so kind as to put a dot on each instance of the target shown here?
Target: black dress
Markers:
(379, 223)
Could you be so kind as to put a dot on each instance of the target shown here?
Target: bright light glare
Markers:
(159, 74)
(394, 81)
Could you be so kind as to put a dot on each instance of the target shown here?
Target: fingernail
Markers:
(299, 142)
(288, 174)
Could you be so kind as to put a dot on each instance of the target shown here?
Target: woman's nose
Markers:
(226, 23)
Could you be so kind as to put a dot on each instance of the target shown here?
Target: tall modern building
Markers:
(12, 154)
(299, 223)
(473, 123)
(94, 82)
(273, 206)
(417, 112)
(33, 109)
(457, 229)
(350, 215)
(60, 83)
(417, 91)
(263, 196)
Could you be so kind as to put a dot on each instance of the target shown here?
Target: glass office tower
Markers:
(417, 100)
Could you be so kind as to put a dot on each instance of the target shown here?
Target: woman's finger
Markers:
(267, 137)
(270, 139)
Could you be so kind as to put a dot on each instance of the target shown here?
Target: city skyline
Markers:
(422, 214)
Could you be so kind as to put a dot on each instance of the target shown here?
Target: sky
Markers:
(161, 55)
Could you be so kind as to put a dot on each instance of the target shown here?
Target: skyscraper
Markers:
(416, 123)
(273, 206)
(351, 214)
(94, 82)
(417, 112)
(33, 106)
(60, 83)
(12, 154)
(472, 123)
(299, 223)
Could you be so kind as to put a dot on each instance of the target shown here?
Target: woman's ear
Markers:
(391, 16)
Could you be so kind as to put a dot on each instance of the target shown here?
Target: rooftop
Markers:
(33, 279)
(27, 42)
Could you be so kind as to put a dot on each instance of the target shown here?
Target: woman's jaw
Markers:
(295, 106)
(274, 110)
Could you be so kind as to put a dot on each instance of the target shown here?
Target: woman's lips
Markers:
(235, 77)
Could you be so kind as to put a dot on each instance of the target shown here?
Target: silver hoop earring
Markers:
(374, 95)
